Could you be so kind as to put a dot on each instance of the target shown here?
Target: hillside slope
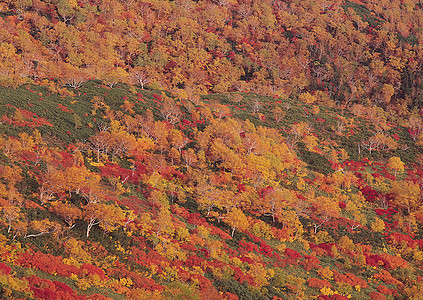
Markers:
(351, 51)
(129, 193)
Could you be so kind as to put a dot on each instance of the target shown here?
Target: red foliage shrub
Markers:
(384, 290)
(386, 277)
(46, 289)
(64, 108)
(249, 246)
(154, 258)
(327, 248)
(318, 283)
(205, 252)
(44, 293)
(266, 249)
(188, 247)
(32, 120)
(138, 255)
(255, 238)
(220, 233)
(87, 269)
(385, 212)
(394, 262)
(208, 291)
(280, 233)
(157, 97)
(180, 211)
(377, 296)
(376, 260)
(4, 269)
(310, 262)
(398, 238)
(349, 278)
(319, 251)
(97, 297)
(339, 297)
(133, 203)
(114, 170)
(242, 251)
(230, 296)
(292, 254)
(47, 263)
(196, 219)
(193, 260)
(140, 282)
(354, 165)
(369, 193)
(247, 259)
(241, 277)
(366, 160)
(67, 159)
(170, 174)
(230, 251)
(390, 176)
(60, 286)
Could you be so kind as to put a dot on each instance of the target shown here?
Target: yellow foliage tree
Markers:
(407, 196)
(395, 163)
(236, 219)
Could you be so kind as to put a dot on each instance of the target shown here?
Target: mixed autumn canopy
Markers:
(211, 149)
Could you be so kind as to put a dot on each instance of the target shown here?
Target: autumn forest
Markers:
(211, 149)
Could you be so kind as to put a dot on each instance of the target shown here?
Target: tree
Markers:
(163, 224)
(407, 196)
(310, 141)
(323, 209)
(50, 184)
(93, 215)
(298, 130)
(114, 75)
(170, 110)
(395, 164)
(76, 178)
(236, 219)
(278, 114)
(380, 142)
(275, 202)
(354, 213)
(10, 213)
(73, 76)
(415, 127)
(208, 196)
(11, 176)
(113, 217)
(386, 93)
(99, 142)
(42, 227)
(189, 157)
(69, 212)
(139, 77)
(66, 10)
(177, 139)
(220, 110)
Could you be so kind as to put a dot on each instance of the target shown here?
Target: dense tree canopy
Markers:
(211, 149)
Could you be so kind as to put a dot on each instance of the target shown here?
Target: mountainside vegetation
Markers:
(211, 149)
(368, 52)
(130, 193)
